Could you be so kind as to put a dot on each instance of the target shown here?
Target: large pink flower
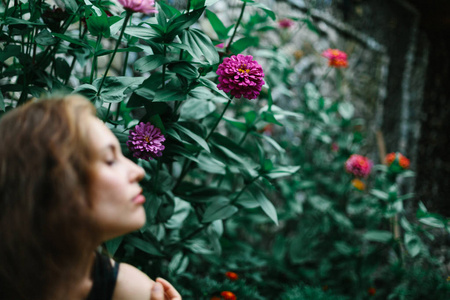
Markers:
(143, 6)
(336, 58)
(145, 141)
(358, 165)
(240, 76)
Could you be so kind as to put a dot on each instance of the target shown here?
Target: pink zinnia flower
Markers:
(358, 165)
(285, 23)
(143, 6)
(336, 58)
(145, 141)
(240, 76)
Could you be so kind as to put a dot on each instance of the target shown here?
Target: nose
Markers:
(136, 172)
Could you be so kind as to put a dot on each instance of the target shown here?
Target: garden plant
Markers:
(246, 198)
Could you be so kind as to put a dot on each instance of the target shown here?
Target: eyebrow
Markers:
(108, 147)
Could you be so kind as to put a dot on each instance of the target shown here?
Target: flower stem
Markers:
(243, 189)
(218, 120)
(236, 27)
(244, 136)
(164, 68)
(95, 59)
(127, 17)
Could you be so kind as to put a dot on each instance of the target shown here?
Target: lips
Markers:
(139, 199)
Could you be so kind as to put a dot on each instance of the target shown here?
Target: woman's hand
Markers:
(163, 290)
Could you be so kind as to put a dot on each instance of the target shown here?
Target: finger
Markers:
(169, 289)
(157, 292)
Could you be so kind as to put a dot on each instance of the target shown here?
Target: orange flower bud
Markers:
(232, 276)
(227, 295)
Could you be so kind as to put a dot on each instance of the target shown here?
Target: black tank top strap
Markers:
(104, 277)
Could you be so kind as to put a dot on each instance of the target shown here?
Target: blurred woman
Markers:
(65, 188)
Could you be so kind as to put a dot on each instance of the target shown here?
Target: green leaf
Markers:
(200, 141)
(209, 164)
(169, 11)
(45, 38)
(208, 83)
(150, 62)
(196, 109)
(72, 40)
(433, 222)
(62, 68)
(195, 4)
(266, 9)
(282, 171)
(113, 245)
(114, 88)
(169, 95)
(269, 117)
(200, 45)
(250, 117)
(2, 103)
(98, 25)
(319, 203)
(265, 203)
(218, 210)
(380, 194)
(271, 141)
(87, 90)
(145, 246)
(70, 5)
(412, 244)
(381, 236)
(243, 43)
(217, 25)
(141, 32)
(184, 69)
(346, 110)
(176, 25)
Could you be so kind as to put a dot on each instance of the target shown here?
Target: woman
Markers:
(65, 188)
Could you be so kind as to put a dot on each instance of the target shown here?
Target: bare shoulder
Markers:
(132, 284)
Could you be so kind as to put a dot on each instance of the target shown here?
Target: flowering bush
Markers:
(215, 196)
(336, 58)
(240, 76)
(358, 165)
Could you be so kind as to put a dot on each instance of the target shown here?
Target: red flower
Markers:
(403, 162)
(227, 295)
(215, 298)
(358, 165)
(232, 276)
(336, 58)
(372, 291)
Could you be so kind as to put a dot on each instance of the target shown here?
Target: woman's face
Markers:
(117, 197)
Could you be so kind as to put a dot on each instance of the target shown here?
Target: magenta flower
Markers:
(143, 6)
(240, 76)
(285, 23)
(358, 165)
(336, 58)
(145, 141)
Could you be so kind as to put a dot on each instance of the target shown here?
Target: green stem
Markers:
(218, 120)
(127, 17)
(164, 68)
(94, 59)
(236, 27)
(188, 6)
(107, 113)
(244, 136)
(243, 189)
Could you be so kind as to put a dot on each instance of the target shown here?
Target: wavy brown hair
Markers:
(45, 170)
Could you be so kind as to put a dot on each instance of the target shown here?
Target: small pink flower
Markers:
(286, 23)
(221, 45)
(143, 6)
(336, 58)
(240, 76)
(358, 165)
